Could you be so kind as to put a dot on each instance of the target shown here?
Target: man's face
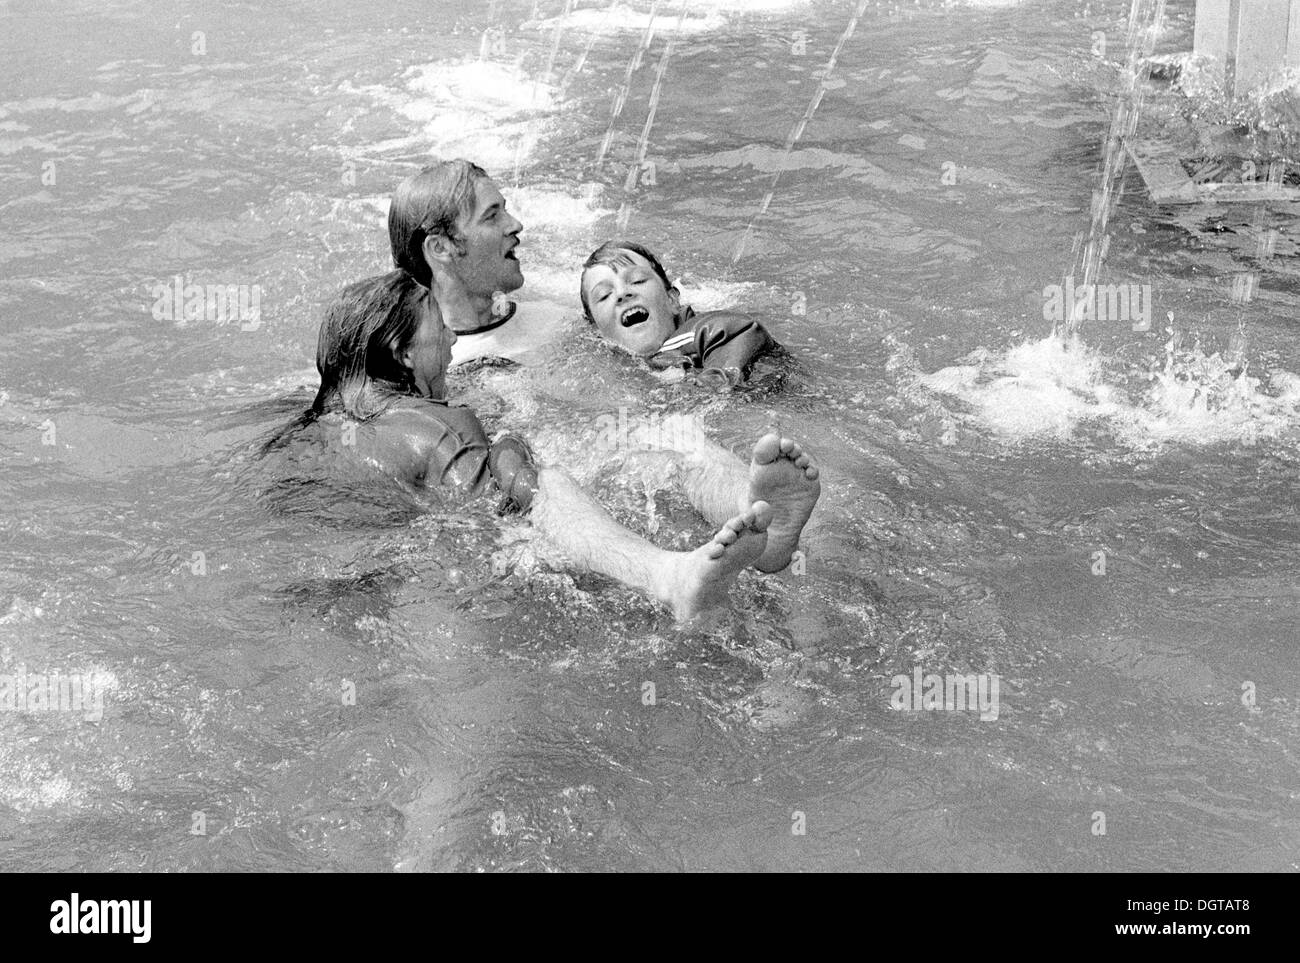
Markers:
(489, 236)
(630, 304)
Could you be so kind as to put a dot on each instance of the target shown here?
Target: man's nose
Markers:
(518, 226)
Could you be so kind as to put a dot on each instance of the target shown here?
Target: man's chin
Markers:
(513, 281)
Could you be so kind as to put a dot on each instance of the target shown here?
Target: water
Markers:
(1145, 20)
(974, 466)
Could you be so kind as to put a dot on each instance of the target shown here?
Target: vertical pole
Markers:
(1230, 55)
(1293, 35)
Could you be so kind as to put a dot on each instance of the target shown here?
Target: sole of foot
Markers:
(782, 474)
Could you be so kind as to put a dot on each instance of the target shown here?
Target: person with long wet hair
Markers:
(381, 363)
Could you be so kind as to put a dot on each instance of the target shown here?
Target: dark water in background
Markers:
(966, 494)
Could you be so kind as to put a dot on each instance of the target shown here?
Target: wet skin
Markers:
(410, 440)
(469, 272)
(630, 305)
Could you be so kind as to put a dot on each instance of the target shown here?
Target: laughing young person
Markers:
(450, 232)
(626, 294)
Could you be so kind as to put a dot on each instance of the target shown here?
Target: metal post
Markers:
(1253, 39)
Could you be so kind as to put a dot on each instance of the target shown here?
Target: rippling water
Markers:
(974, 467)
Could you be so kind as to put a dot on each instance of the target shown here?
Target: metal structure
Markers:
(1254, 39)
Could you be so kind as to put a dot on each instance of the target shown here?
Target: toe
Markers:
(811, 473)
(787, 447)
(803, 461)
(767, 449)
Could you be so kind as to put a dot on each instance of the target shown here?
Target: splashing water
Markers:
(492, 112)
(530, 136)
(1048, 390)
(796, 132)
(620, 96)
(1144, 22)
(643, 143)
(626, 19)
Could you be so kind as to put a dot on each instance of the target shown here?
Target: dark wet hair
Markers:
(614, 254)
(365, 327)
(428, 204)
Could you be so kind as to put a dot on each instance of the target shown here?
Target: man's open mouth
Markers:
(633, 315)
(511, 256)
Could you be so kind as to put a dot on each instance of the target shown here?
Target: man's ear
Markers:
(437, 248)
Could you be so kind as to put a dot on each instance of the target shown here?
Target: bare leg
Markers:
(688, 582)
(717, 482)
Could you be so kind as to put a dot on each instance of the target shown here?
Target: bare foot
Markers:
(698, 580)
(783, 475)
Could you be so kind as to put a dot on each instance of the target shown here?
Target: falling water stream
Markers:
(1145, 21)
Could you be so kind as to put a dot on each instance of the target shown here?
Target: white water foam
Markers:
(492, 113)
(624, 19)
(1048, 389)
(748, 6)
(714, 295)
(552, 212)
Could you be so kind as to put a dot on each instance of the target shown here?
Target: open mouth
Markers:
(633, 316)
(511, 256)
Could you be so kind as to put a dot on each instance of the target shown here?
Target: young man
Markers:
(450, 230)
(627, 295)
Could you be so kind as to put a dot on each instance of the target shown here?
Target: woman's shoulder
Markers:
(424, 416)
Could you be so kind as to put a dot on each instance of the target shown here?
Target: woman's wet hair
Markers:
(428, 204)
(614, 254)
(367, 326)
